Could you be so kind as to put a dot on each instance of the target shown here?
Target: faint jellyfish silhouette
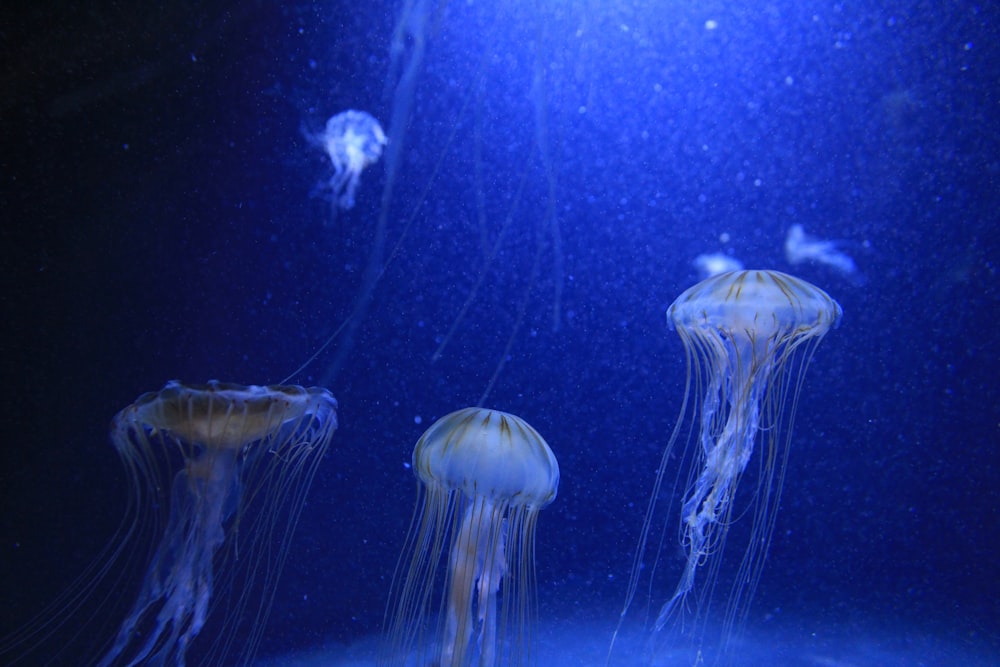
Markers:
(748, 337)
(502, 219)
(352, 140)
(248, 456)
(713, 264)
(801, 247)
(483, 475)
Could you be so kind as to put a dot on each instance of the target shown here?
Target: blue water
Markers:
(560, 168)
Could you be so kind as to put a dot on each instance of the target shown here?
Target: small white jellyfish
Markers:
(713, 264)
(800, 247)
(353, 140)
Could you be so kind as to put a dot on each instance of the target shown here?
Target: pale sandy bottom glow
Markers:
(573, 643)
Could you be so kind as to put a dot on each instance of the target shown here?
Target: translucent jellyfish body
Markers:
(246, 456)
(749, 337)
(713, 264)
(801, 247)
(352, 140)
(742, 331)
(484, 475)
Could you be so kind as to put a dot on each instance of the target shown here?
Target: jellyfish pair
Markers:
(483, 475)
(352, 140)
(748, 337)
(246, 457)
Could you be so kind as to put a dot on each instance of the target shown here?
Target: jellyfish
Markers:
(218, 475)
(483, 476)
(352, 140)
(246, 455)
(749, 337)
(433, 131)
(713, 264)
(801, 247)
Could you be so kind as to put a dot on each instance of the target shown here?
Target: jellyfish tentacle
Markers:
(726, 457)
(478, 565)
(180, 575)
(491, 575)
(352, 181)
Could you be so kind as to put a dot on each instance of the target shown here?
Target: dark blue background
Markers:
(159, 222)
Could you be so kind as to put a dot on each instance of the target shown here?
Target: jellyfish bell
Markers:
(215, 416)
(489, 453)
(483, 477)
(218, 473)
(748, 337)
(762, 306)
